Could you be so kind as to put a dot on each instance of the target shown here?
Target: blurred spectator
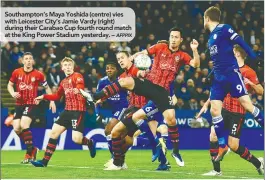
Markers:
(191, 87)
(193, 104)
(14, 56)
(180, 104)
(60, 51)
(124, 47)
(5, 59)
(93, 81)
(183, 94)
(53, 77)
(51, 53)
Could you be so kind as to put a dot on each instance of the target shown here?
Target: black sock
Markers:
(174, 137)
(27, 134)
(108, 91)
(117, 151)
(51, 146)
(244, 153)
(214, 146)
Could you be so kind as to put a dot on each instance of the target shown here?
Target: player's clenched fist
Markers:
(194, 44)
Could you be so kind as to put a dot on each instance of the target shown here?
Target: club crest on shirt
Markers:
(177, 58)
(33, 79)
(19, 78)
(79, 79)
(214, 36)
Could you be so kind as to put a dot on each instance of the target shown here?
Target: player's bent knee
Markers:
(127, 83)
(54, 135)
(170, 118)
(140, 114)
(233, 143)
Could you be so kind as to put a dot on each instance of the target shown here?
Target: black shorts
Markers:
(159, 95)
(126, 119)
(30, 111)
(233, 122)
(72, 119)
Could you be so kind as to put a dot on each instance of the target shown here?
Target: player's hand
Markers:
(134, 56)
(52, 107)
(203, 110)
(38, 99)
(16, 95)
(194, 44)
(141, 73)
(99, 102)
(247, 81)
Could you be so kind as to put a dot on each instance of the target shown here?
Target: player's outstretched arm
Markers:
(195, 62)
(145, 52)
(10, 88)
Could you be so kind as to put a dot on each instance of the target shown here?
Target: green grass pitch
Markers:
(77, 164)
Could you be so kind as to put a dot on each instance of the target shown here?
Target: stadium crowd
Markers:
(153, 20)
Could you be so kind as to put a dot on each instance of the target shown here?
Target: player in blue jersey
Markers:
(117, 104)
(227, 77)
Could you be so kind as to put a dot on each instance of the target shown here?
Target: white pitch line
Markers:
(143, 170)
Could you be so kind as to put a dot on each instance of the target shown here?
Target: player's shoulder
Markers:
(247, 69)
(103, 80)
(77, 74)
(38, 72)
(18, 70)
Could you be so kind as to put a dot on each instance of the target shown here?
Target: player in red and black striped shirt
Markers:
(26, 81)
(234, 115)
(74, 114)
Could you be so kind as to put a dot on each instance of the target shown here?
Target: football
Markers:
(142, 62)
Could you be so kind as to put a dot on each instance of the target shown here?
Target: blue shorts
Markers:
(118, 113)
(152, 112)
(229, 83)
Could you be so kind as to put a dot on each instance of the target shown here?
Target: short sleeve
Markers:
(154, 49)
(13, 77)
(252, 76)
(186, 58)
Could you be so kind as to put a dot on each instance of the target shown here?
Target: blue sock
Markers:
(162, 157)
(108, 137)
(143, 126)
(143, 142)
(258, 116)
(165, 137)
(219, 129)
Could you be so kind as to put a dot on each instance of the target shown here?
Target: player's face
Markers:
(68, 67)
(175, 39)
(123, 60)
(111, 71)
(28, 61)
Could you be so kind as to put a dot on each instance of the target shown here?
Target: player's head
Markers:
(27, 60)
(111, 70)
(239, 52)
(212, 14)
(123, 59)
(68, 65)
(175, 37)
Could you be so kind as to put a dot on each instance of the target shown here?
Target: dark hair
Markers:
(213, 13)
(112, 63)
(27, 53)
(125, 52)
(176, 29)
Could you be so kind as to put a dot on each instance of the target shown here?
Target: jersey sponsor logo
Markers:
(213, 50)
(163, 55)
(71, 90)
(24, 86)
